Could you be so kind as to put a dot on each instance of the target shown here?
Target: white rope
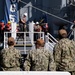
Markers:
(48, 13)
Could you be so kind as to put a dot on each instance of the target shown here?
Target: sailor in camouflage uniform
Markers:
(10, 57)
(64, 54)
(39, 59)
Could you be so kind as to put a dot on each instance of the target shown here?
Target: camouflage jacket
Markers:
(10, 59)
(39, 60)
(64, 55)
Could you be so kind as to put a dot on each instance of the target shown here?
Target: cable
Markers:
(47, 7)
(47, 13)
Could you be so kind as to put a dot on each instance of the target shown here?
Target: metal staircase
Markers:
(50, 41)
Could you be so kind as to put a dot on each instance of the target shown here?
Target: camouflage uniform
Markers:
(64, 55)
(10, 59)
(39, 60)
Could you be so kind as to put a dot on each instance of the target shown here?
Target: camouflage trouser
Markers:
(72, 73)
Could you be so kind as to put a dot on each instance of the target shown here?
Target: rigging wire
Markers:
(47, 13)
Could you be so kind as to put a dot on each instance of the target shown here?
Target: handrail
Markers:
(50, 44)
(25, 40)
(52, 37)
(51, 40)
(23, 32)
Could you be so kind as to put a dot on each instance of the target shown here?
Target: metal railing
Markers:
(23, 39)
(52, 37)
(50, 41)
